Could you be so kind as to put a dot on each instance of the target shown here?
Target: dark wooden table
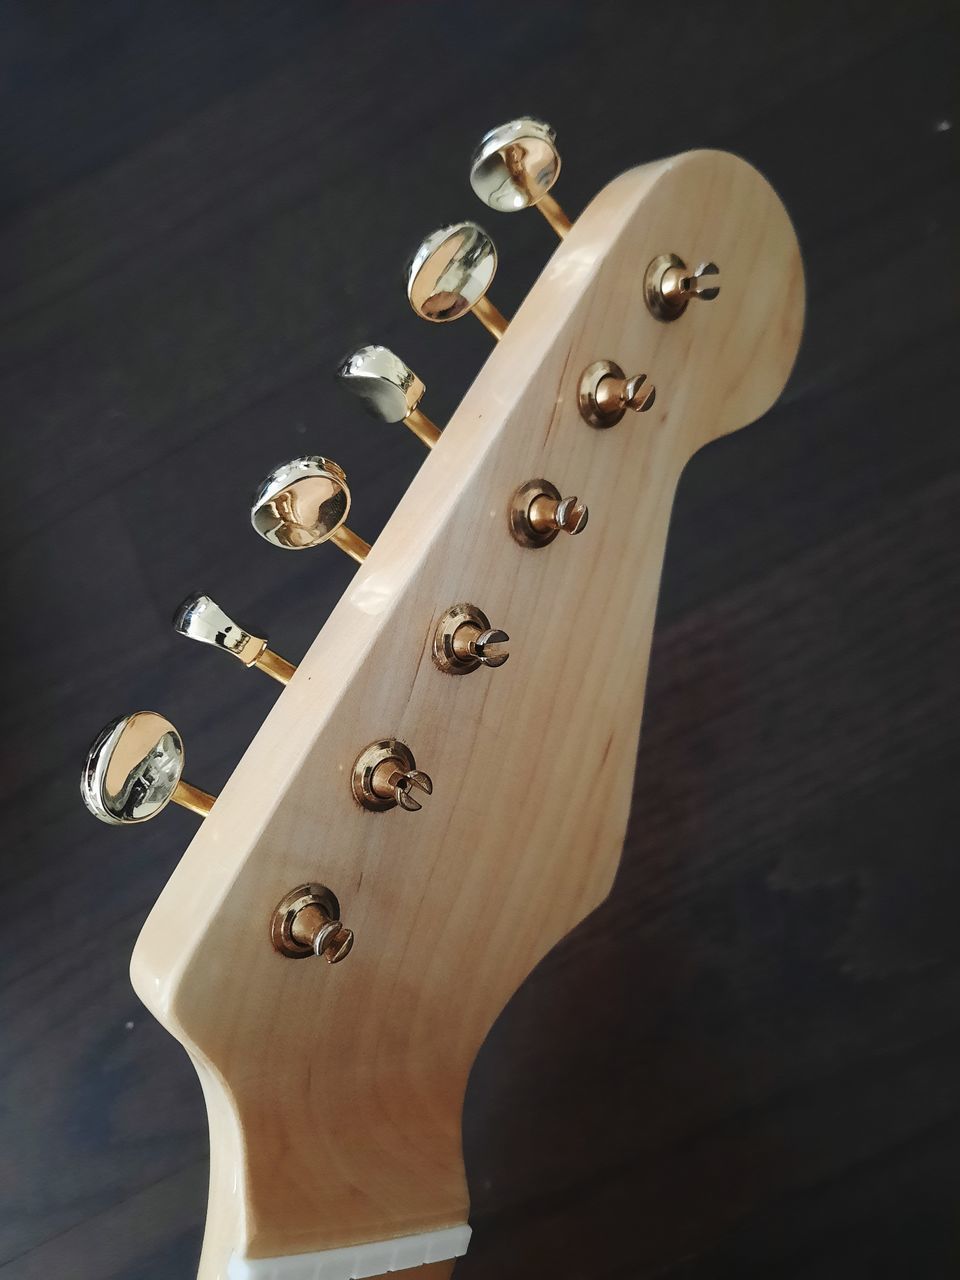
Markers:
(747, 1063)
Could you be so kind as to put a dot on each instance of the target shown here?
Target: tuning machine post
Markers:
(538, 513)
(134, 769)
(669, 285)
(306, 922)
(385, 775)
(450, 274)
(389, 389)
(464, 641)
(303, 503)
(606, 393)
(515, 166)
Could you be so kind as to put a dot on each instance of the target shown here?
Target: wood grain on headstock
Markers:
(335, 1094)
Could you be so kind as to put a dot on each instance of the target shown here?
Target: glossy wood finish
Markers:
(745, 1064)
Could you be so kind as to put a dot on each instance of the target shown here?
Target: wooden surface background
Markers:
(747, 1063)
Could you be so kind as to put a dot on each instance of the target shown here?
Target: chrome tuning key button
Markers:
(515, 166)
(200, 618)
(303, 503)
(669, 285)
(389, 389)
(306, 922)
(464, 641)
(133, 770)
(606, 393)
(538, 513)
(385, 775)
(450, 275)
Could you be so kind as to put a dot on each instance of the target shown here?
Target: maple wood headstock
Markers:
(335, 1093)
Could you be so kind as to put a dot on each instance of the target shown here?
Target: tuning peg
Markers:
(200, 618)
(669, 285)
(389, 388)
(306, 922)
(385, 775)
(304, 502)
(538, 513)
(133, 770)
(464, 641)
(606, 393)
(515, 166)
(450, 275)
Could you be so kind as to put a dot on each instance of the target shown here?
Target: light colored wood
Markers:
(335, 1093)
(431, 1271)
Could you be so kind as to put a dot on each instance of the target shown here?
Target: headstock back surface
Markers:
(335, 1093)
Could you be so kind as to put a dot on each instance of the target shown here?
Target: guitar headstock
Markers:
(416, 808)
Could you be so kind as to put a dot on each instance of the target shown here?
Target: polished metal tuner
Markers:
(669, 285)
(389, 389)
(133, 770)
(305, 502)
(606, 393)
(450, 275)
(385, 775)
(200, 618)
(515, 166)
(538, 513)
(306, 922)
(464, 641)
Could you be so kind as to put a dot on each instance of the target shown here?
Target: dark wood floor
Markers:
(747, 1064)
